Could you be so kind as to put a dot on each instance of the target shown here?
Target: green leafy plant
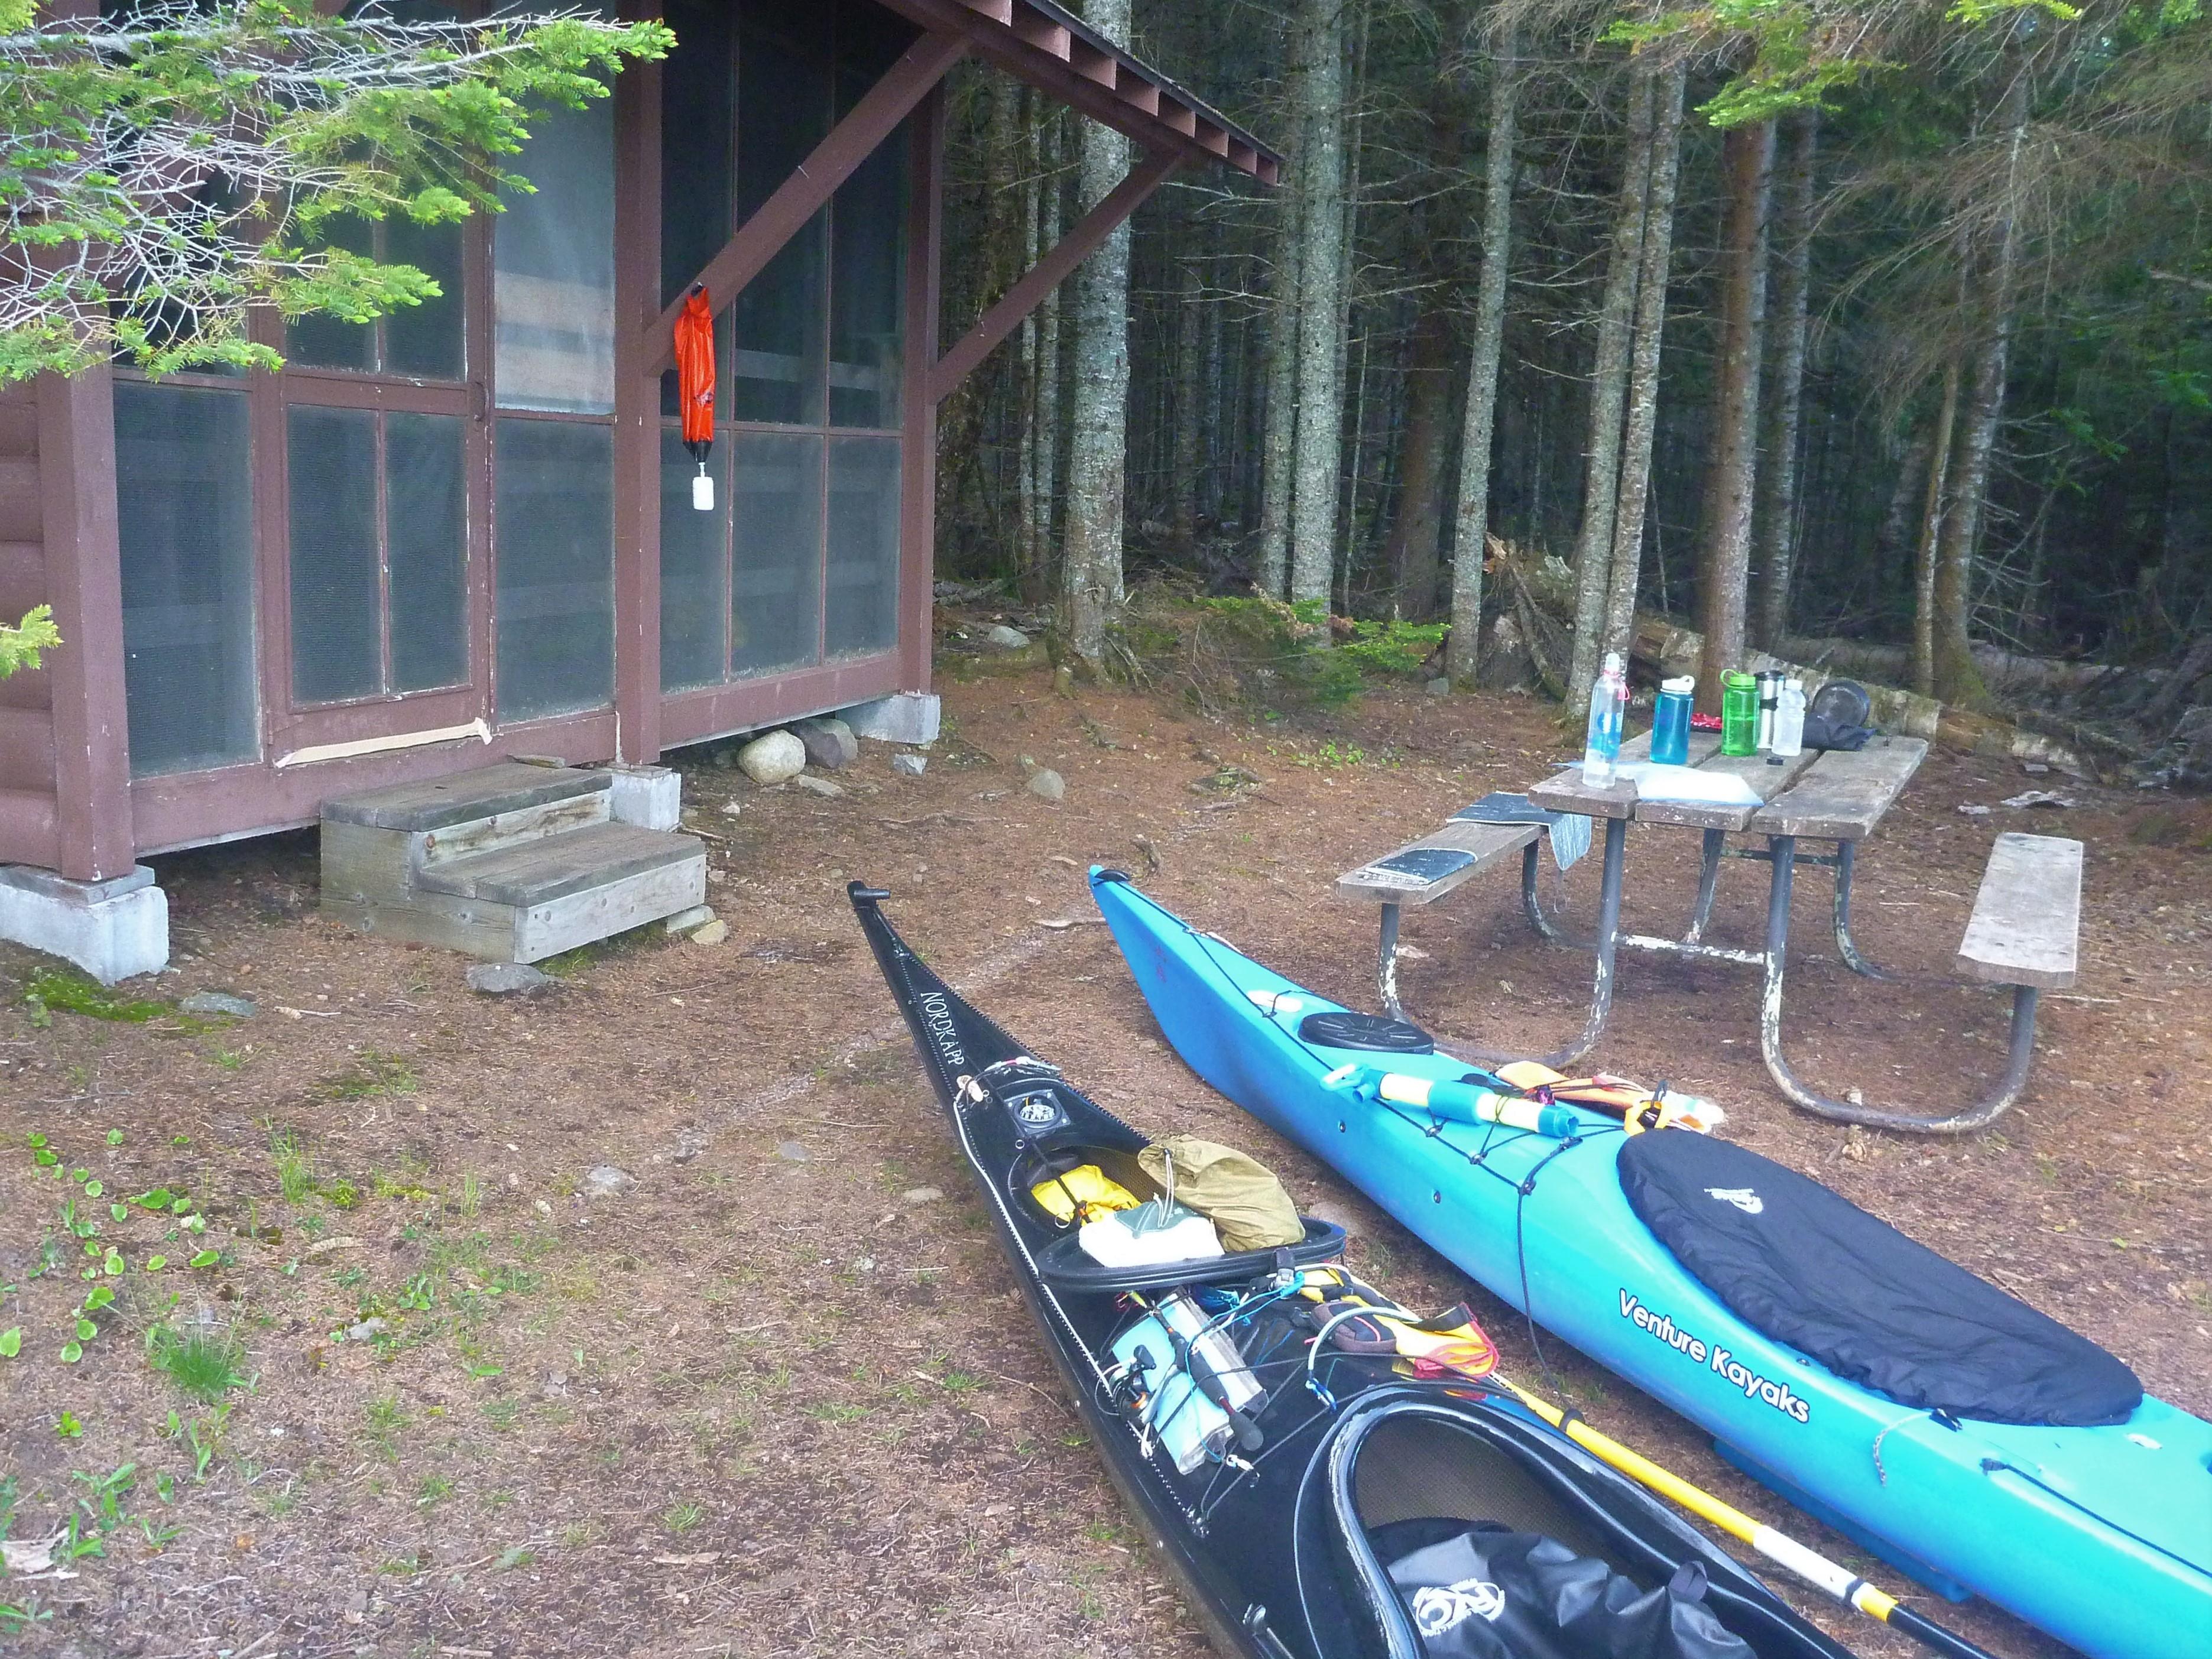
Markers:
(317, 117)
(20, 646)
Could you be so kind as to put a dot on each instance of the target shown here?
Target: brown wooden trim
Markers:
(918, 417)
(800, 197)
(1025, 295)
(84, 585)
(716, 711)
(335, 389)
(637, 407)
(1052, 50)
(383, 715)
(191, 809)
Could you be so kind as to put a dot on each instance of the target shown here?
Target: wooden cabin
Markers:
(467, 531)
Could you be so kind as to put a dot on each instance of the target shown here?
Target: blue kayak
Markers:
(1952, 1430)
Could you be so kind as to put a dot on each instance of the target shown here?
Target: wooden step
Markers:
(511, 862)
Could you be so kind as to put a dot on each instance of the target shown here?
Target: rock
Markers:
(684, 921)
(501, 979)
(1007, 639)
(1438, 686)
(216, 1005)
(792, 1152)
(605, 1180)
(1354, 1220)
(713, 934)
(777, 758)
(921, 1195)
(556, 1385)
(828, 742)
(814, 785)
(1048, 784)
(909, 766)
(363, 1332)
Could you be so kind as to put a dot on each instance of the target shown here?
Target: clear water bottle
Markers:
(1789, 718)
(1608, 709)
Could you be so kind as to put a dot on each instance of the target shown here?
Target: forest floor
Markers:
(777, 1397)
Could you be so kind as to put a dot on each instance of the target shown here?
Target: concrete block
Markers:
(113, 930)
(902, 717)
(650, 796)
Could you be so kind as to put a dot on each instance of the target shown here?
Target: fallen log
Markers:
(1668, 648)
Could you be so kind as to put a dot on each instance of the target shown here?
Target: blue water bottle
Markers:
(1670, 725)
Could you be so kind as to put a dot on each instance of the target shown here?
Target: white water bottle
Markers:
(1789, 718)
(1609, 708)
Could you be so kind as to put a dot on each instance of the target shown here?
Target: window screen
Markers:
(862, 603)
(338, 599)
(775, 562)
(867, 269)
(553, 268)
(423, 340)
(694, 566)
(185, 506)
(697, 174)
(427, 542)
(555, 559)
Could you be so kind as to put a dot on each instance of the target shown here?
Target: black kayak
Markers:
(1318, 1496)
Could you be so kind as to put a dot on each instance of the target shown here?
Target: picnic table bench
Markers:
(2022, 933)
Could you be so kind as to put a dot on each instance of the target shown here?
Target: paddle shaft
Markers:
(1815, 1569)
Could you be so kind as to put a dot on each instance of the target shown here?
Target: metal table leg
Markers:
(1535, 905)
(2024, 1000)
(1386, 963)
(1709, 877)
(1608, 934)
(1846, 856)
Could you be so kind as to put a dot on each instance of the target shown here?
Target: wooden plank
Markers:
(1484, 844)
(1566, 792)
(1768, 776)
(2027, 924)
(483, 792)
(610, 908)
(538, 872)
(1844, 794)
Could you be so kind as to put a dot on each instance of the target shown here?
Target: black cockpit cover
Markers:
(1809, 1268)
(1483, 1592)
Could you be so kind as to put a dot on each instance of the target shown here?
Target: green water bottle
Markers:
(1739, 713)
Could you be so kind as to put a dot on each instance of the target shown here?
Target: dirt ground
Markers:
(776, 1397)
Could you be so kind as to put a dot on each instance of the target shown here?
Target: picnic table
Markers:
(2023, 932)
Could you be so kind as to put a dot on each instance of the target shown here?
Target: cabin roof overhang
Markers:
(1055, 51)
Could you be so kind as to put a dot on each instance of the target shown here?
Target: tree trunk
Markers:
(1775, 512)
(1609, 396)
(1892, 541)
(1046, 425)
(1748, 162)
(1278, 443)
(1029, 544)
(1318, 471)
(1411, 553)
(1213, 412)
(1958, 679)
(1931, 535)
(1090, 580)
(1189, 395)
(1633, 496)
(1471, 517)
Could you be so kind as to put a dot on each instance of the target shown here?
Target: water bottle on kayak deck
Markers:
(1609, 708)
(1670, 722)
(1790, 718)
(1739, 713)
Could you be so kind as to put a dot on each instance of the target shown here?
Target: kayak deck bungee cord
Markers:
(1944, 1425)
(1309, 1458)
